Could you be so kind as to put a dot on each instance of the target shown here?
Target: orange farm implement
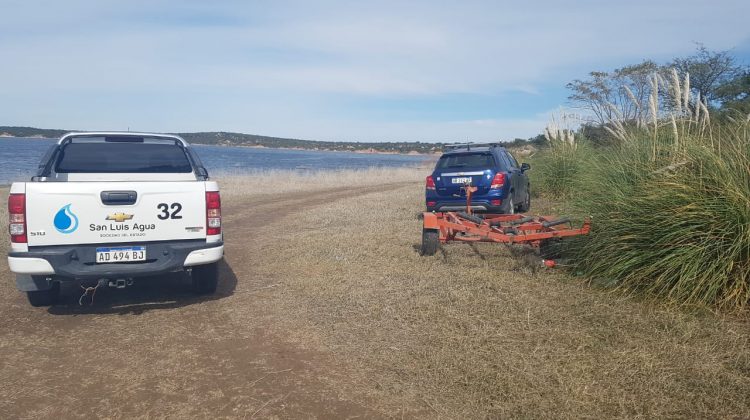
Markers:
(444, 227)
(540, 232)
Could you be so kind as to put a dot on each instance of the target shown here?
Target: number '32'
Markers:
(165, 214)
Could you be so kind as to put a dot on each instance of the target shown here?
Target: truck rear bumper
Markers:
(79, 261)
(31, 265)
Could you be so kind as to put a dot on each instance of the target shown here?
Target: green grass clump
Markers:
(670, 202)
(670, 219)
(557, 170)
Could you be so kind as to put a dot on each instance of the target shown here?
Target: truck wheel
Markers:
(205, 278)
(430, 241)
(47, 297)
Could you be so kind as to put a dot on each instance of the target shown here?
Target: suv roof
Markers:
(470, 147)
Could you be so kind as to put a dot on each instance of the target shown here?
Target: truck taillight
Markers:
(498, 181)
(17, 218)
(429, 183)
(213, 213)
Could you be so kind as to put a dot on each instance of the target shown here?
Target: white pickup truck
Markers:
(106, 208)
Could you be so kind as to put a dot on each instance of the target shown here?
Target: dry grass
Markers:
(477, 332)
(280, 181)
(471, 332)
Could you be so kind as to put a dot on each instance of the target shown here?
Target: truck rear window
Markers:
(122, 157)
(466, 160)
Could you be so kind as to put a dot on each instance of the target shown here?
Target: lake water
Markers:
(19, 159)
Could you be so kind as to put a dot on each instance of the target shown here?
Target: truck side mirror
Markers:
(525, 167)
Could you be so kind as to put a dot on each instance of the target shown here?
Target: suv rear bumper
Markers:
(483, 206)
(79, 261)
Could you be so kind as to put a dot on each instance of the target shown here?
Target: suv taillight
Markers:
(498, 181)
(213, 213)
(429, 183)
(17, 218)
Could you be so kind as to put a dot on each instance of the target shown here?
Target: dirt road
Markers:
(156, 350)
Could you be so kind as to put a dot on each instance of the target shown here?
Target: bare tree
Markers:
(708, 71)
(616, 95)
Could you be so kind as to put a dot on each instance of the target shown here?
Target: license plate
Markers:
(466, 180)
(121, 254)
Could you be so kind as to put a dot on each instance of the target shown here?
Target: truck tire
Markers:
(430, 242)
(47, 297)
(205, 278)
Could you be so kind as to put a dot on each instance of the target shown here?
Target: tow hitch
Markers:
(91, 290)
(120, 283)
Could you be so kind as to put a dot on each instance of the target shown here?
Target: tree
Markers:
(617, 95)
(708, 71)
(735, 94)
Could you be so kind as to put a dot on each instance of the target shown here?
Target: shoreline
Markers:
(369, 151)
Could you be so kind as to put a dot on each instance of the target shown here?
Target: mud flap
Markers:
(429, 221)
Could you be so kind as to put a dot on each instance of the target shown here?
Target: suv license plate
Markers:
(466, 180)
(120, 254)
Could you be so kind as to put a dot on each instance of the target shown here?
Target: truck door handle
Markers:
(118, 198)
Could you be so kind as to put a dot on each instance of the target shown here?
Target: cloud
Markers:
(305, 53)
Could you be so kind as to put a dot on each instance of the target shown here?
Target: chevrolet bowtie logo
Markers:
(119, 217)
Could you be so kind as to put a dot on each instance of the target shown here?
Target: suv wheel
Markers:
(511, 206)
(526, 205)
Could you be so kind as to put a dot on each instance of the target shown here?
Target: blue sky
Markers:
(333, 70)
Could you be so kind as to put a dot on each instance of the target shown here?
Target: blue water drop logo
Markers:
(65, 220)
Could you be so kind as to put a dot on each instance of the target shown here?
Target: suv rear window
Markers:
(141, 156)
(466, 160)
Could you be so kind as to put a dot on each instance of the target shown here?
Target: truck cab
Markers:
(107, 208)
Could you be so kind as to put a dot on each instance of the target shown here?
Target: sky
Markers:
(333, 70)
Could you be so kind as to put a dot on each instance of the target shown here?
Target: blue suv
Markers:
(502, 184)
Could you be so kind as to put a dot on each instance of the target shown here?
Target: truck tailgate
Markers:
(66, 213)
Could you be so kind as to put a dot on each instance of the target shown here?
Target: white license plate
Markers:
(466, 180)
(120, 254)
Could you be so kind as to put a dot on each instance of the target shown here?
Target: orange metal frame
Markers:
(499, 228)
(502, 228)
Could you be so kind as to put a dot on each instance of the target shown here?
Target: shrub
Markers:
(670, 203)
(679, 231)
(557, 170)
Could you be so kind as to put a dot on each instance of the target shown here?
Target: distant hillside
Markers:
(238, 139)
(31, 132)
(222, 138)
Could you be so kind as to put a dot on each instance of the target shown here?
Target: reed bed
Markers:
(670, 202)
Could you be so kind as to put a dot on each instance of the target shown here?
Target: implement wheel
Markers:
(430, 241)
(550, 249)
